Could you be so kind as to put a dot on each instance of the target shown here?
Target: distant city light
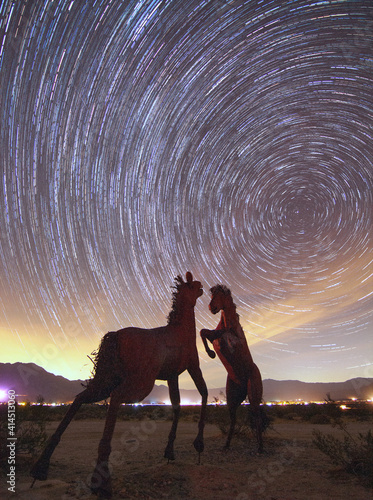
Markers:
(3, 395)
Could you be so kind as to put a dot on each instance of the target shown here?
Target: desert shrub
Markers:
(245, 420)
(242, 427)
(332, 410)
(354, 454)
(316, 413)
(190, 413)
(266, 419)
(292, 415)
(159, 413)
(319, 419)
(294, 411)
(280, 412)
(30, 429)
(361, 411)
(3, 439)
(311, 410)
(90, 411)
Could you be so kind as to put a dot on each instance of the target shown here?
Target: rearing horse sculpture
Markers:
(126, 366)
(230, 344)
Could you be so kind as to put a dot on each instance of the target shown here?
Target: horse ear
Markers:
(189, 277)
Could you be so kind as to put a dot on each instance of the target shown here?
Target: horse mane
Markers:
(221, 289)
(106, 369)
(174, 314)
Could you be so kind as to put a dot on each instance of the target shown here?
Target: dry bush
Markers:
(354, 454)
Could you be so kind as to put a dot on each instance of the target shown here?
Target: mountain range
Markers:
(31, 381)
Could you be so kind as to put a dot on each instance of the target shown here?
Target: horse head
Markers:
(185, 294)
(194, 287)
(219, 296)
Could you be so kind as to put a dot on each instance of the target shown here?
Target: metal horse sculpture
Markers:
(230, 344)
(126, 366)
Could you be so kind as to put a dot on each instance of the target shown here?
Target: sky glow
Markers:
(143, 139)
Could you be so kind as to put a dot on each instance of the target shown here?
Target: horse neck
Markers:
(230, 320)
(229, 314)
(184, 319)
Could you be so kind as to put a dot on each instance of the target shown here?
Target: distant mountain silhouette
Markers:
(31, 381)
(291, 390)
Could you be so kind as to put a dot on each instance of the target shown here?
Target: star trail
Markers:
(142, 139)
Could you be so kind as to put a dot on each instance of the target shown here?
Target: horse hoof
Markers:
(39, 476)
(169, 452)
(198, 445)
(101, 481)
(170, 455)
(102, 491)
(40, 471)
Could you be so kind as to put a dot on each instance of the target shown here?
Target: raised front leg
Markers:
(196, 374)
(173, 387)
(206, 334)
(101, 479)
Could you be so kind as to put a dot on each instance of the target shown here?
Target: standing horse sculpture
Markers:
(126, 366)
(230, 344)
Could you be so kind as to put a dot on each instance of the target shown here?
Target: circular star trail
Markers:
(142, 139)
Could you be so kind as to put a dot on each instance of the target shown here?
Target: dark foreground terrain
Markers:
(292, 467)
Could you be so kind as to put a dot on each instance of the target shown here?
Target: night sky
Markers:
(143, 139)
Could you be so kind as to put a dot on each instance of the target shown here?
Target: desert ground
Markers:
(291, 468)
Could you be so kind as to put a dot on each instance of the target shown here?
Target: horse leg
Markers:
(255, 393)
(204, 335)
(40, 468)
(235, 395)
(101, 479)
(196, 374)
(173, 387)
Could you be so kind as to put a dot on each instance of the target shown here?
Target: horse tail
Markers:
(106, 373)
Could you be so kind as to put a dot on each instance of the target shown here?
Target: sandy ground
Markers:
(290, 469)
